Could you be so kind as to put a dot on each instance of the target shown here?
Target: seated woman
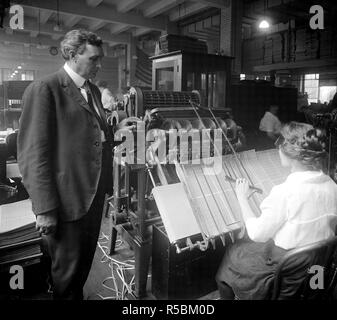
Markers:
(298, 212)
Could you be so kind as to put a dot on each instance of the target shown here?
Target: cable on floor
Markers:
(119, 272)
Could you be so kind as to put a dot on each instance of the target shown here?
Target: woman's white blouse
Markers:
(301, 211)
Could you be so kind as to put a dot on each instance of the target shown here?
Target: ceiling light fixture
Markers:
(264, 24)
(58, 26)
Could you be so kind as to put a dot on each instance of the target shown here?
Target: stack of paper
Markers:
(19, 240)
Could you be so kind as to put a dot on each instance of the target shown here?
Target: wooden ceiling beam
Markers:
(127, 5)
(221, 4)
(44, 42)
(93, 3)
(118, 28)
(70, 20)
(186, 10)
(44, 16)
(160, 6)
(22, 37)
(97, 24)
(103, 12)
(140, 31)
(49, 28)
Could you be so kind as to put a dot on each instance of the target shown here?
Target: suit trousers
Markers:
(72, 247)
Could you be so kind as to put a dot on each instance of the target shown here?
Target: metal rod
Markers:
(215, 200)
(258, 190)
(189, 193)
(153, 220)
(238, 160)
(231, 147)
(200, 119)
(210, 139)
(225, 136)
(150, 174)
(203, 194)
(226, 199)
(141, 203)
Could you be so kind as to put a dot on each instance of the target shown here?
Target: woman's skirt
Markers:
(248, 268)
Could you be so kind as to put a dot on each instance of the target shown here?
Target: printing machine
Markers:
(133, 208)
(188, 97)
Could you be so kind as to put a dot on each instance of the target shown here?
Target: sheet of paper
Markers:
(12, 170)
(16, 215)
(175, 211)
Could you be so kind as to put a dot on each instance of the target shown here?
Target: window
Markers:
(326, 93)
(27, 75)
(6, 75)
(242, 77)
(311, 86)
(9, 75)
(164, 79)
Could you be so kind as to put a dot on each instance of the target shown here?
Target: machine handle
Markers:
(258, 190)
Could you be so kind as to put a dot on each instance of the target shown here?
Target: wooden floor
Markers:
(94, 289)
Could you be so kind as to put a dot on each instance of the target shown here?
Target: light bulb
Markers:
(264, 24)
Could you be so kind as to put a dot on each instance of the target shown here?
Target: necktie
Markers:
(90, 101)
(86, 87)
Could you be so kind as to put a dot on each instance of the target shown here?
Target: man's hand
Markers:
(46, 223)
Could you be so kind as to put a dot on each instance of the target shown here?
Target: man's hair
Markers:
(76, 40)
(305, 143)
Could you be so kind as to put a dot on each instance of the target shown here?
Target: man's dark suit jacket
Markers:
(59, 146)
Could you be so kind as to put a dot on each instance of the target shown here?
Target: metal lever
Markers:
(258, 190)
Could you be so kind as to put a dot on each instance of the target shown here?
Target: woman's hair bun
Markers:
(314, 140)
(304, 143)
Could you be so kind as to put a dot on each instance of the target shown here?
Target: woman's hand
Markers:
(242, 188)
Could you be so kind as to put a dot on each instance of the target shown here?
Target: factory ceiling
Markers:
(117, 21)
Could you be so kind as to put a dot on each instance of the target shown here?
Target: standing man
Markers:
(65, 158)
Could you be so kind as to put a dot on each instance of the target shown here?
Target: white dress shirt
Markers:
(79, 82)
(301, 211)
(270, 123)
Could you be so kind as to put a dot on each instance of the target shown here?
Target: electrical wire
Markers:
(119, 273)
